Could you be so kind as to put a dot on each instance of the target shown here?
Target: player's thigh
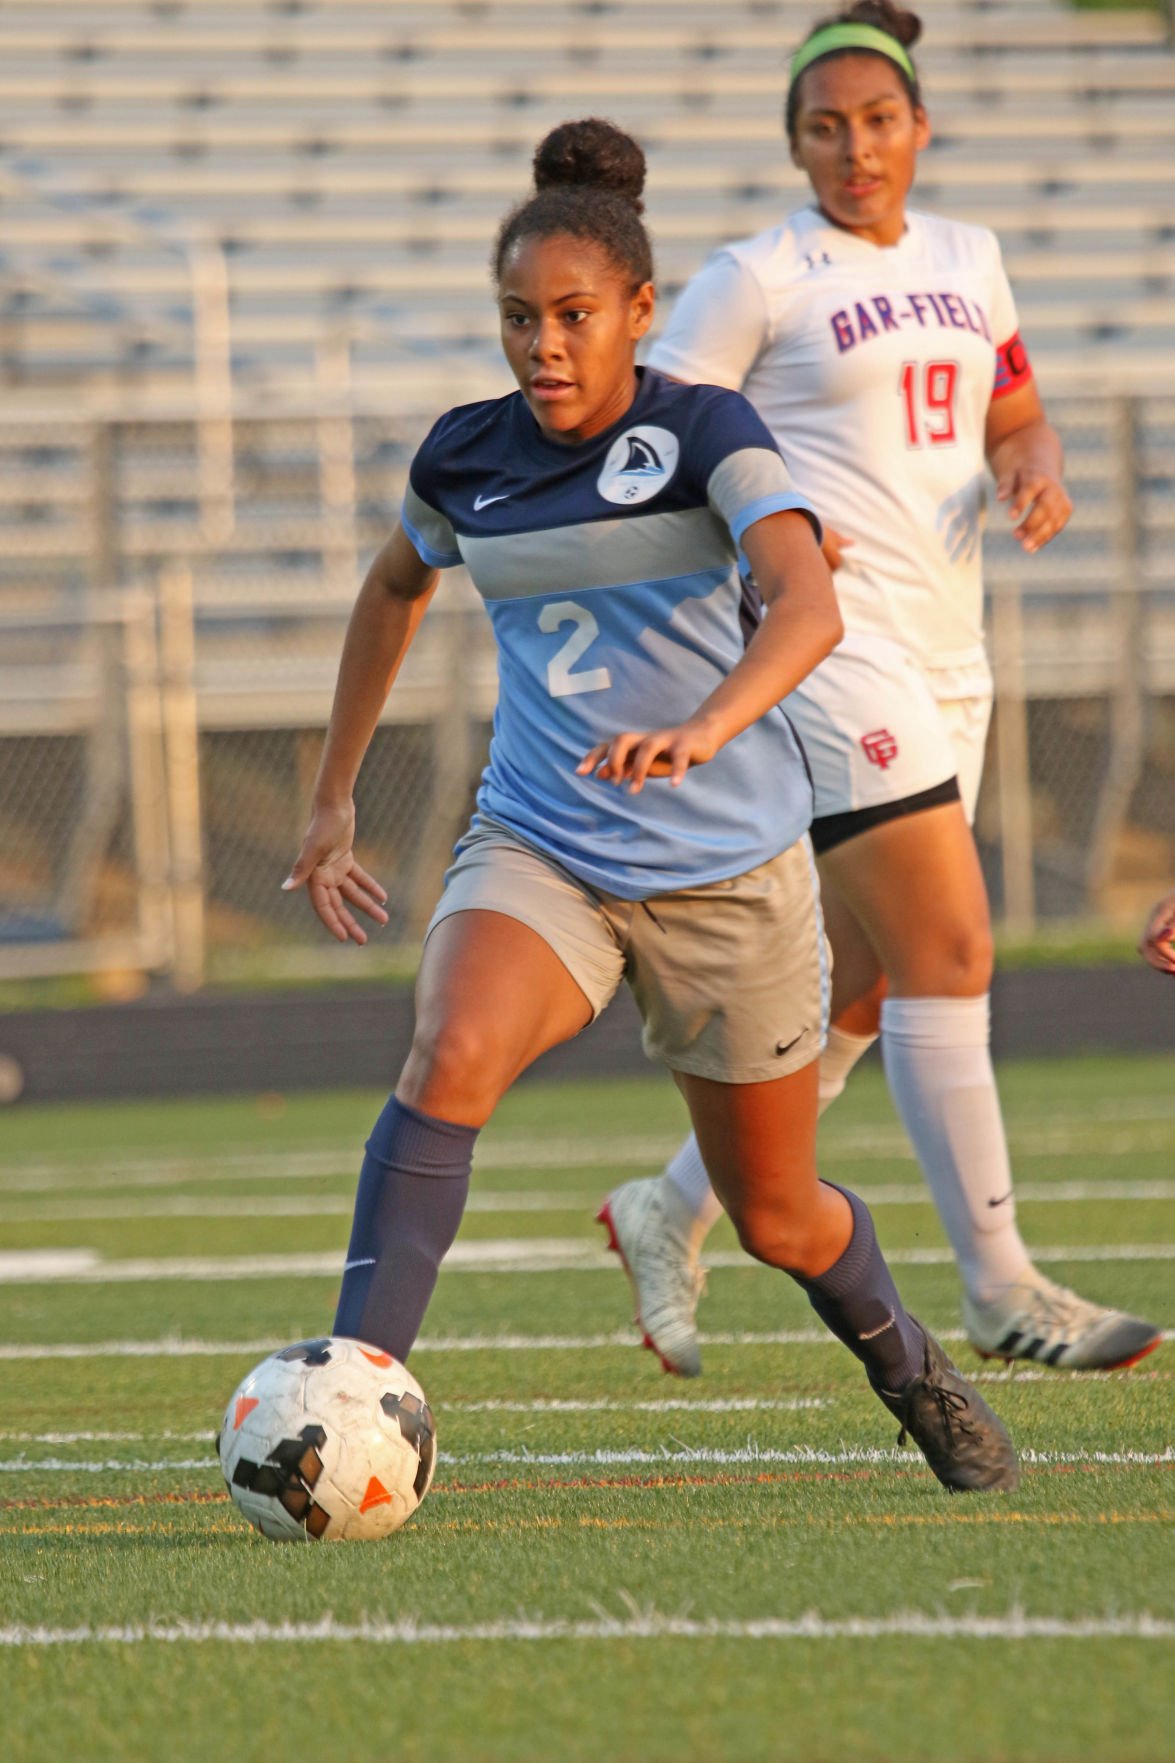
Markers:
(759, 1145)
(915, 886)
(517, 959)
(758, 1140)
(856, 967)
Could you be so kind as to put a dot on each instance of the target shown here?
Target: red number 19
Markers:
(928, 402)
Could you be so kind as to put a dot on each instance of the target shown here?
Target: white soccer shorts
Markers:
(878, 726)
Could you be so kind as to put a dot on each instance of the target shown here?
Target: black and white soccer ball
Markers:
(328, 1439)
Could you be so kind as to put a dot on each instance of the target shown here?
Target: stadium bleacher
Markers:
(243, 261)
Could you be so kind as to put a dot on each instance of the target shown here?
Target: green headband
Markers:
(851, 36)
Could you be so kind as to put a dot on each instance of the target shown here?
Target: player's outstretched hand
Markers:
(333, 879)
(1037, 503)
(630, 758)
(1158, 939)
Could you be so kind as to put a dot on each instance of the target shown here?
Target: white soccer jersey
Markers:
(874, 368)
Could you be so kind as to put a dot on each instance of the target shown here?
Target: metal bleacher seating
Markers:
(347, 161)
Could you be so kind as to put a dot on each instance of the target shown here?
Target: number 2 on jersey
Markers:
(561, 682)
(927, 392)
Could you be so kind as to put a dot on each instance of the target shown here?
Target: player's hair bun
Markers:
(893, 20)
(591, 154)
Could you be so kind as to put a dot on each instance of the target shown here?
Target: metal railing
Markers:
(163, 692)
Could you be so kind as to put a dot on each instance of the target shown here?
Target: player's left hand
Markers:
(1037, 503)
(1158, 939)
(632, 757)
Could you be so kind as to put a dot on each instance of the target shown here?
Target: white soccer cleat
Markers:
(1051, 1325)
(662, 1268)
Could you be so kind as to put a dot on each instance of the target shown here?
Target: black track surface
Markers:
(328, 1039)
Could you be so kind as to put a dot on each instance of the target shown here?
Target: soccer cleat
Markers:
(1051, 1325)
(964, 1442)
(662, 1269)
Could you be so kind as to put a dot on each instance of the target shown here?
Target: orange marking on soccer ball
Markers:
(376, 1495)
(245, 1405)
(384, 1359)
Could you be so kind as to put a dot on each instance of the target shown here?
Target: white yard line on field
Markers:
(604, 1457)
(1032, 1135)
(175, 1347)
(513, 1255)
(751, 1453)
(1015, 1625)
(341, 1205)
(598, 1405)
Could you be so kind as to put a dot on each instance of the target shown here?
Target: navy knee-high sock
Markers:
(857, 1299)
(412, 1192)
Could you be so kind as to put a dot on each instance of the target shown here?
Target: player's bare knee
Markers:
(968, 957)
(953, 962)
(451, 1071)
(777, 1237)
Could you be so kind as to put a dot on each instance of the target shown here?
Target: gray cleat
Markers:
(964, 1442)
(662, 1268)
(1051, 1325)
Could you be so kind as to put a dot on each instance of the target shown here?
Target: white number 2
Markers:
(561, 682)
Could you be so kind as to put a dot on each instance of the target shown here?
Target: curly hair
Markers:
(588, 177)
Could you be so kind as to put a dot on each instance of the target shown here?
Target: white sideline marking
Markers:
(512, 1255)
(1015, 1625)
(605, 1457)
(337, 1160)
(341, 1205)
(750, 1453)
(320, 1206)
(172, 1347)
(1033, 1135)
(18, 1265)
(598, 1405)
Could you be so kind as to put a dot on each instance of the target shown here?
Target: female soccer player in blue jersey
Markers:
(643, 813)
(881, 347)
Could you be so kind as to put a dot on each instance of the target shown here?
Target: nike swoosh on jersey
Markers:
(481, 502)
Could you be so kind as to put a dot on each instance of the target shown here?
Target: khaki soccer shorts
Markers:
(731, 979)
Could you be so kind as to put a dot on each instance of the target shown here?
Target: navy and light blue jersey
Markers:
(610, 571)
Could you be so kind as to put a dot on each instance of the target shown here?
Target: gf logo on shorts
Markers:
(639, 464)
(880, 747)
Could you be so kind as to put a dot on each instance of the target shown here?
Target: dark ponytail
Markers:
(904, 27)
(588, 177)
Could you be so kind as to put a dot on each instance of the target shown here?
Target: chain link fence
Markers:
(173, 597)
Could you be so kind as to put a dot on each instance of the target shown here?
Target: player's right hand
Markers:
(1158, 939)
(333, 878)
(834, 545)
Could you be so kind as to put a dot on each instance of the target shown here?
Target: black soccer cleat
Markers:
(965, 1443)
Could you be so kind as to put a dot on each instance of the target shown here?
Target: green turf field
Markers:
(612, 1566)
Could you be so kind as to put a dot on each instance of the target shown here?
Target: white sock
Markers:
(840, 1054)
(937, 1061)
(691, 1205)
(690, 1202)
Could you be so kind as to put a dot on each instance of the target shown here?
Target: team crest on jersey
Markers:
(639, 464)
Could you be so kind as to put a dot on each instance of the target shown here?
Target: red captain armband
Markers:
(1012, 367)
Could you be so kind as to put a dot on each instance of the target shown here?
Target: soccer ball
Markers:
(328, 1439)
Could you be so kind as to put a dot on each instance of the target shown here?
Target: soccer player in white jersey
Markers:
(644, 811)
(880, 346)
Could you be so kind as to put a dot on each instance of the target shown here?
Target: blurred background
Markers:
(243, 265)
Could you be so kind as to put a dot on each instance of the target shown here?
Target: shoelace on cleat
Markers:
(952, 1404)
